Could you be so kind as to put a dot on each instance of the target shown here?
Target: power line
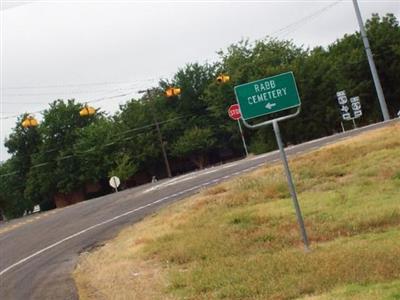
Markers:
(106, 145)
(66, 92)
(76, 154)
(90, 101)
(132, 87)
(77, 84)
(284, 31)
(132, 130)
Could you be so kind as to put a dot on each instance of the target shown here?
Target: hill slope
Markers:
(240, 239)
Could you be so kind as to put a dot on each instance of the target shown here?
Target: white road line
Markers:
(215, 169)
(2, 272)
(265, 155)
(106, 222)
(190, 176)
(116, 218)
(98, 225)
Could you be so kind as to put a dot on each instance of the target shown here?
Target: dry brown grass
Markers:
(240, 240)
(119, 268)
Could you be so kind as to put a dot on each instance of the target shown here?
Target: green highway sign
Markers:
(268, 95)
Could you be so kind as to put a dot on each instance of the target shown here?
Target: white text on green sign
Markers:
(267, 95)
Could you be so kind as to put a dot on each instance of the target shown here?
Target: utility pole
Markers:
(167, 167)
(371, 62)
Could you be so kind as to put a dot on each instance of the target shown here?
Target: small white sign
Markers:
(114, 182)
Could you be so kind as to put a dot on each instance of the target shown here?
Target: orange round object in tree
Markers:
(87, 111)
(172, 91)
(223, 78)
(29, 122)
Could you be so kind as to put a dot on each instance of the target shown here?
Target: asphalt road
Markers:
(39, 252)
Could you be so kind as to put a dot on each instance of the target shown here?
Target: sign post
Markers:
(267, 96)
(292, 188)
(234, 114)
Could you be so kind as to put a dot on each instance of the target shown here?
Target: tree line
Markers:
(69, 158)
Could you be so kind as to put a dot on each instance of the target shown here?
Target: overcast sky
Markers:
(93, 50)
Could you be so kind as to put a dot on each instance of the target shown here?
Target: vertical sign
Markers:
(267, 96)
(343, 105)
(356, 107)
(350, 110)
(234, 114)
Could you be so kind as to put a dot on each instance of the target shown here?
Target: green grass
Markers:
(382, 291)
(240, 240)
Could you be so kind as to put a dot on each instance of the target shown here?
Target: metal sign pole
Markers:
(115, 185)
(267, 96)
(291, 185)
(354, 123)
(243, 140)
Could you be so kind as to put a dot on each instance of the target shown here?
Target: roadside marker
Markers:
(264, 97)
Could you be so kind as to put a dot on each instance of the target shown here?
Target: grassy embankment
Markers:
(240, 239)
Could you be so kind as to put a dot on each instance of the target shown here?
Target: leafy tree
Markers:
(12, 201)
(22, 144)
(139, 140)
(124, 167)
(195, 143)
(246, 62)
(353, 74)
(56, 167)
(384, 35)
(67, 152)
(96, 146)
(193, 79)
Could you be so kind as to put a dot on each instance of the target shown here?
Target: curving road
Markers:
(38, 253)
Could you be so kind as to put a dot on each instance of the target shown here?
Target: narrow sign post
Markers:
(234, 114)
(292, 188)
(243, 140)
(267, 96)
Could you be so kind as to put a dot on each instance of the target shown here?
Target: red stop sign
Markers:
(234, 112)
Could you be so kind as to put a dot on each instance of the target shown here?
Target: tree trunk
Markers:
(199, 160)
